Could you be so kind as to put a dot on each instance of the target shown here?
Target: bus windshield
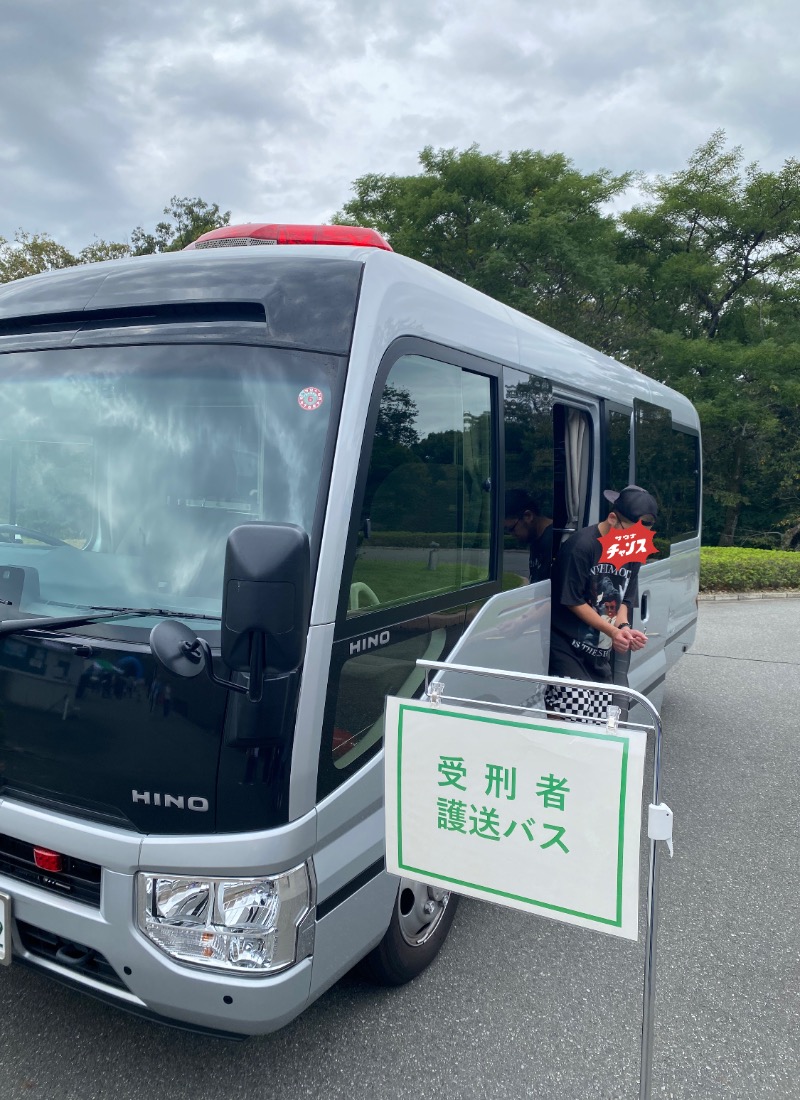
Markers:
(124, 469)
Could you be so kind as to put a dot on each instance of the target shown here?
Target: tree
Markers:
(31, 254)
(715, 306)
(103, 250)
(528, 229)
(397, 415)
(186, 220)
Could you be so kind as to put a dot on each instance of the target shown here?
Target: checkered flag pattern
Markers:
(577, 703)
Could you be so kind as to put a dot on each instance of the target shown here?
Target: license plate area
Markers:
(5, 930)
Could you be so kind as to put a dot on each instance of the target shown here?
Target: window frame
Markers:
(369, 621)
(607, 408)
(640, 405)
(693, 433)
(507, 541)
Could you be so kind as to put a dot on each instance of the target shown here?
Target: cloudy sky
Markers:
(273, 107)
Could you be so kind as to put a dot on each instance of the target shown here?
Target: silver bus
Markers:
(243, 489)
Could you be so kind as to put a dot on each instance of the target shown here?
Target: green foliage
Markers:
(715, 306)
(445, 540)
(697, 286)
(187, 219)
(31, 254)
(103, 250)
(716, 239)
(736, 569)
(528, 229)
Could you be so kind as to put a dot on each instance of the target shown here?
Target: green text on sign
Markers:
(540, 816)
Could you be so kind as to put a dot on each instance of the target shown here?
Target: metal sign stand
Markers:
(659, 821)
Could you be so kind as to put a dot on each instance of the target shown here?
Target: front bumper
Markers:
(131, 971)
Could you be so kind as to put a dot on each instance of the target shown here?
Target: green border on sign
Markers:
(619, 739)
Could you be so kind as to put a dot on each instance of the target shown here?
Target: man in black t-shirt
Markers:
(524, 520)
(592, 607)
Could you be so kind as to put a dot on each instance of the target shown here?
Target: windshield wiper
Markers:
(54, 622)
(62, 622)
(166, 612)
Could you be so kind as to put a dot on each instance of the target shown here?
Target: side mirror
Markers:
(266, 598)
(266, 603)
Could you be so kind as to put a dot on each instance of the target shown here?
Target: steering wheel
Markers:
(12, 529)
(358, 589)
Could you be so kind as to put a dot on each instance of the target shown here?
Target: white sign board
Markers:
(543, 816)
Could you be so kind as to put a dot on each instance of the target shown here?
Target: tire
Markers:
(421, 920)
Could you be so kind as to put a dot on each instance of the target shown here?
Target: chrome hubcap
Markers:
(420, 910)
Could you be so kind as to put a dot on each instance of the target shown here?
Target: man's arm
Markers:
(637, 639)
(619, 640)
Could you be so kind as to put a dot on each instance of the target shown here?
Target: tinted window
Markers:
(423, 533)
(302, 303)
(364, 671)
(618, 453)
(685, 485)
(528, 445)
(653, 447)
(426, 518)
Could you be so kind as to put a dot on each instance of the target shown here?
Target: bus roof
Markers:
(398, 297)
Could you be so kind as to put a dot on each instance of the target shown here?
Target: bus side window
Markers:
(363, 672)
(528, 447)
(423, 545)
(653, 466)
(426, 517)
(685, 485)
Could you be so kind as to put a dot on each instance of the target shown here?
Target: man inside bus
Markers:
(524, 520)
(583, 635)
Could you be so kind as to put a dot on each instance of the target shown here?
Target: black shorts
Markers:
(576, 704)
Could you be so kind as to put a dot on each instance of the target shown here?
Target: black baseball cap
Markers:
(633, 502)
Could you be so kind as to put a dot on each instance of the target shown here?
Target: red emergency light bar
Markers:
(258, 234)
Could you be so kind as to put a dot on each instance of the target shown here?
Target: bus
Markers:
(243, 490)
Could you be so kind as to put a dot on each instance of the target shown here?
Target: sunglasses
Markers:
(645, 522)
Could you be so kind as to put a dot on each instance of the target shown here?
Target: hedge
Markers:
(722, 568)
(735, 569)
(445, 540)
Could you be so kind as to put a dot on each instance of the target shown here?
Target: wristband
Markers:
(624, 626)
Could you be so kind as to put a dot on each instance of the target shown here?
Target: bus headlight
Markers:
(244, 925)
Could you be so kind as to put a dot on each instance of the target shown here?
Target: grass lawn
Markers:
(395, 581)
(392, 581)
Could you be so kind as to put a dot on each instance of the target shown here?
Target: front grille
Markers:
(72, 956)
(79, 880)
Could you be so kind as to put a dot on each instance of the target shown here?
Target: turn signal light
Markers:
(46, 860)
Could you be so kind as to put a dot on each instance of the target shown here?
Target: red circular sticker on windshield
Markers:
(310, 398)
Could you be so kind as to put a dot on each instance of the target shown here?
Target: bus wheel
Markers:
(420, 922)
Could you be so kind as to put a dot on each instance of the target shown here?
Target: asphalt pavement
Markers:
(521, 1007)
